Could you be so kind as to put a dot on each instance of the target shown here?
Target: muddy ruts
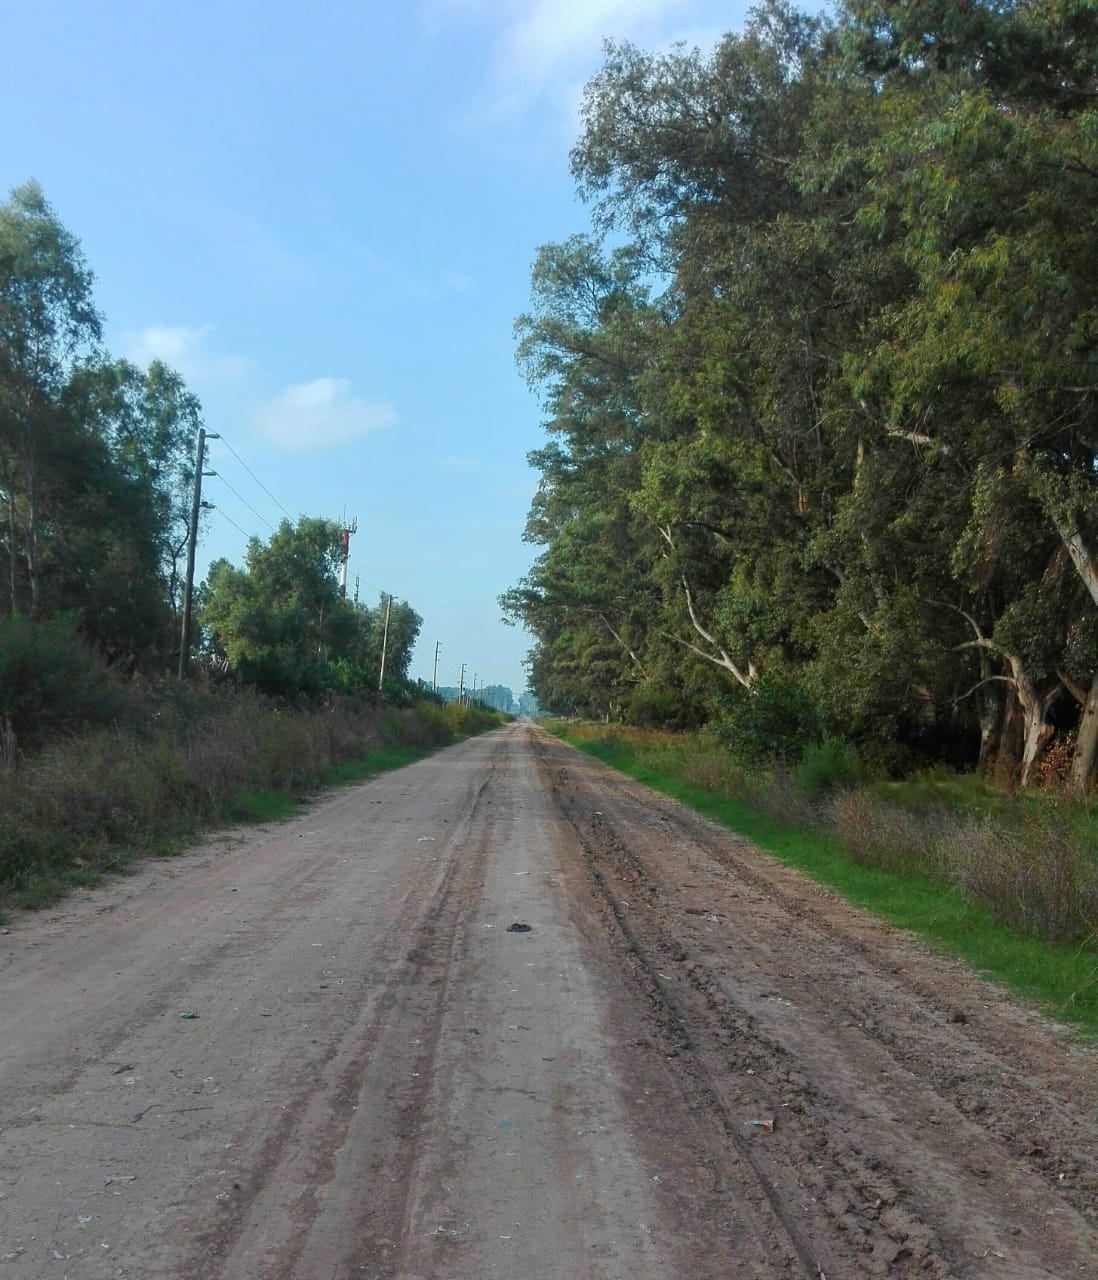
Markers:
(870, 1170)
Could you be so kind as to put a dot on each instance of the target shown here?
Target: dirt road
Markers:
(381, 1079)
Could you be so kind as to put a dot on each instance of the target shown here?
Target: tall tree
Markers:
(48, 320)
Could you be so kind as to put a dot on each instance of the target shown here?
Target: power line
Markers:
(232, 522)
(245, 501)
(256, 478)
(375, 586)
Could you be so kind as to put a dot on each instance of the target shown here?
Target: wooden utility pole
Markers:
(384, 642)
(434, 679)
(192, 543)
(461, 687)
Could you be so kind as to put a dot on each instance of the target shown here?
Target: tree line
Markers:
(822, 388)
(96, 478)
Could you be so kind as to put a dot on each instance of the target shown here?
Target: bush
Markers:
(776, 719)
(829, 765)
(177, 758)
(1035, 872)
(51, 683)
(1041, 878)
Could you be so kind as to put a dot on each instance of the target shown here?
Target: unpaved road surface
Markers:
(383, 1081)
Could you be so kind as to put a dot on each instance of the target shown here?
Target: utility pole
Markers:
(461, 687)
(344, 552)
(384, 642)
(356, 587)
(434, 679)
(192, 543)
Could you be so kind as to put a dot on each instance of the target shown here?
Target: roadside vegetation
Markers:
(104, 753)
(821, 390)
(116, 768)
(1008, 883)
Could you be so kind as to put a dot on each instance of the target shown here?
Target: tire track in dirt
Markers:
(1007, 1053)
(310, 1176)
(844, 1146)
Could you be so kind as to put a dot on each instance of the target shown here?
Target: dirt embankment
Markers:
(384, 1080)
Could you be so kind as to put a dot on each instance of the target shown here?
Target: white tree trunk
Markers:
(1086, 745)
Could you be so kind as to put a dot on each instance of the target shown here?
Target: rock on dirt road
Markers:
(693, 1063)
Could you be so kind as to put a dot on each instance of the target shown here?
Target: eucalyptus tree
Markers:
(94, 452)
(983, 177)
(584, 345)
(48, 322)
(856, 441)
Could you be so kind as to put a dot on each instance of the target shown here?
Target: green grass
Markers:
(1062, 979)
(377, 760)
(265, 805)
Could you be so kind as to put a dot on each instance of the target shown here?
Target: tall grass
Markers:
(177, 760)
(1031, 864)
(1008, 885)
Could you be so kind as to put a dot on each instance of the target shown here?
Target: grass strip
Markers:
(1062, 979)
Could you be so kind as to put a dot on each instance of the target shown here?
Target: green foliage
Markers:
(285, 629)
(94, 453)
(776, 719)
(853, 438)
(51, 683)
(829, 765)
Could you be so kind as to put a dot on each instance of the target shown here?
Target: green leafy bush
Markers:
(51, 683)
(831, 764)
(775, 720)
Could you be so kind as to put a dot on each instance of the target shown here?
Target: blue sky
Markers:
(324, 216)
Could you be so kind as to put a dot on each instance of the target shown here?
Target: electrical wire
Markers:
(245, 501)
(255, 478)
(232, 522)
(384, 591)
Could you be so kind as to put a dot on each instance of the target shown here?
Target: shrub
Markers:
(826, 766)
(51, 683)
(177, 758)
(1041, 878)
(776, 719)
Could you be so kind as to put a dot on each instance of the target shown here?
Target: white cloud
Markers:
(319, 415)
(543, 51)
(184, 349)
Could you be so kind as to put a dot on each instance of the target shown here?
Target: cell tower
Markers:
(345, 551)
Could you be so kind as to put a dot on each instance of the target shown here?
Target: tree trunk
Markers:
(13, 554)
(32, 531)
(991, 716)
(1038, 734)
(1086, 744)
(1008, 754)
(1035, 707)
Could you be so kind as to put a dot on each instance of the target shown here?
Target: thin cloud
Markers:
(401, 281)
(248, 247)
(186, 349)
(317, 415)
(544, 51)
